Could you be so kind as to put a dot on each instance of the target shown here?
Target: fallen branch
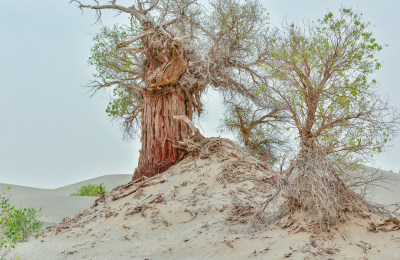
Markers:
(191, 143)
(187, 145)
(101, 193)
(396, 209)
(102, 197)
(142, 184)
(125, 186)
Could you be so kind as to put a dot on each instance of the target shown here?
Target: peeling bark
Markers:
(160, 131)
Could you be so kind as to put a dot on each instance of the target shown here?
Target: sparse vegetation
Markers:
(95, 190)
(16, 225)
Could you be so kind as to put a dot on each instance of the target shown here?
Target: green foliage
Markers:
(321, 73)
(256, 128)
(111, 62)
(16, 225)
(116, 68)
(120, 105)
(238, 21)
(91, 190)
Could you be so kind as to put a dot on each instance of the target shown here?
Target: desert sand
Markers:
(201, 208)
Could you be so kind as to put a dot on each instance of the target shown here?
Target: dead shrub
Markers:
(314, 184)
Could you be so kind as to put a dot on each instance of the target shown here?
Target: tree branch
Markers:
(137, 37)
(130, 10)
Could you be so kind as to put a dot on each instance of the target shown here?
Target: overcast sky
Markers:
(52, 133)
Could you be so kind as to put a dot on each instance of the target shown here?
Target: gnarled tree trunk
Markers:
(163, 98)
(160, 131)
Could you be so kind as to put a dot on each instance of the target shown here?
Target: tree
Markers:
(256, 127)
(162, 62)
(321, 74)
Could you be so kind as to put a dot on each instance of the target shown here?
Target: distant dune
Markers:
(57, 203)
(110, 181)
(385, 192)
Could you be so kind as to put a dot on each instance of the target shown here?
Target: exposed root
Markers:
(152, 170)
(313, 184)
(139, 185)
(388, 224)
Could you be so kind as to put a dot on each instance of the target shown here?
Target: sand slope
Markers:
(388, 191)
(203, 208)
(57, 203)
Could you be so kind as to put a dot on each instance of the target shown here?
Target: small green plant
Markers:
(16, 225)
(91, 190)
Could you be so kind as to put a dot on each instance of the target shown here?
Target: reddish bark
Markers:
(160, 131)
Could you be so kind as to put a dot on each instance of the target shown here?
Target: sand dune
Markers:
(189, 213)
(57, 203)
(388, 191)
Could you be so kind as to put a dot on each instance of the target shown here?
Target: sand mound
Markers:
(204, 208)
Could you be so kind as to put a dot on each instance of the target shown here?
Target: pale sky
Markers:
(52, 133)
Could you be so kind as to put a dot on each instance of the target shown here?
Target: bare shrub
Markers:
(314, 184)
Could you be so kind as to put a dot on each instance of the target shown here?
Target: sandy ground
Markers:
(199, 209)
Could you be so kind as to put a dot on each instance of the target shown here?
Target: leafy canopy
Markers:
(321, 73)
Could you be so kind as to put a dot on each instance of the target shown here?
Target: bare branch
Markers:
(183, 38)
(136, 38)
(130, 10)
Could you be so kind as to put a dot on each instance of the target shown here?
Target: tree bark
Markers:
(160, 130)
